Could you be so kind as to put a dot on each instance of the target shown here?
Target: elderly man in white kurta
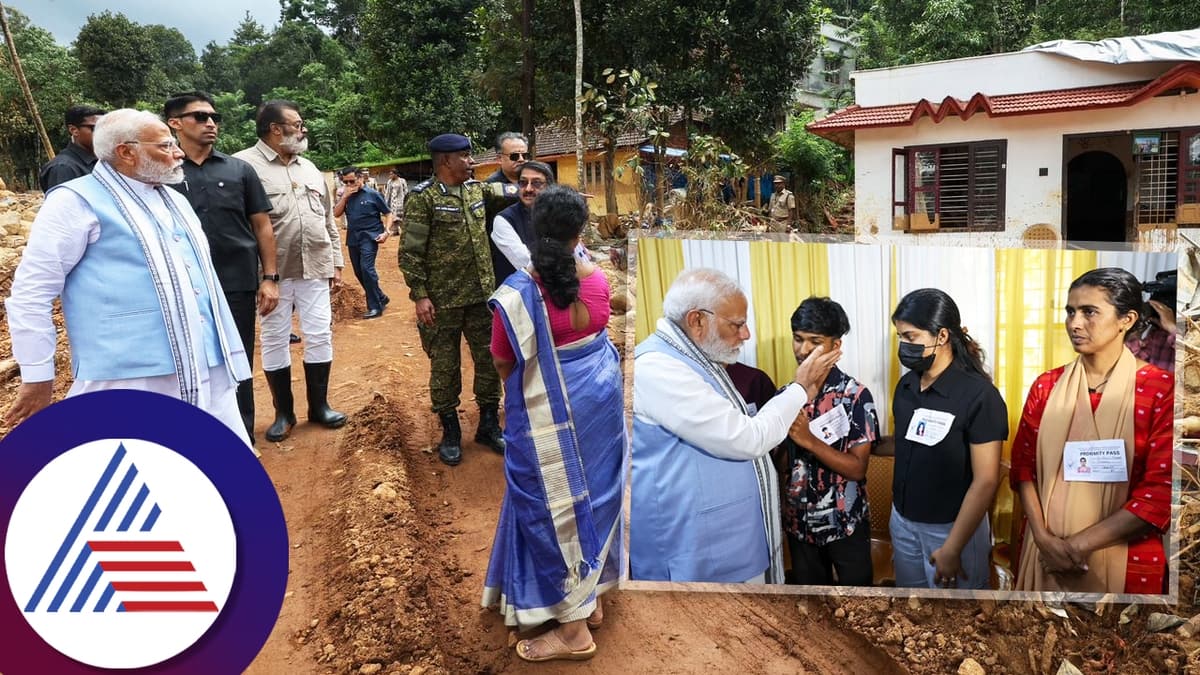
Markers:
(142, 304)
(705, 497)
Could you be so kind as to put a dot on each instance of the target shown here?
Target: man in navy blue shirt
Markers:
(368, 221)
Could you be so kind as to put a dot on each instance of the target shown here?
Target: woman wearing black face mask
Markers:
(950, 426)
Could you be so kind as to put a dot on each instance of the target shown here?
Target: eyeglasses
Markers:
(164, 145)
(201, 116)
(517, 156)
(89, 127)
(349, 182)
(737, 325)
(297, 125)
(536, 184)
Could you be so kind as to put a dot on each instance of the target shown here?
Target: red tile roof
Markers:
(839, 126)
(557, 138)
(554, 141)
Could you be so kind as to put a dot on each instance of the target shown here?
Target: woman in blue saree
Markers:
(557, 544)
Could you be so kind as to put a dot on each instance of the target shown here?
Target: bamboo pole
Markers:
(16, 62)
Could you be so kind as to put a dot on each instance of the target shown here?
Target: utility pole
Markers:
(528, 68)
(579, 95)
(16, 62)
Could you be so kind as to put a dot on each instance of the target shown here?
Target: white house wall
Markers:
(994, 75)
(1034, 142)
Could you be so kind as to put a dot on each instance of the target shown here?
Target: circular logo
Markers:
(141, 533)
(91, 536)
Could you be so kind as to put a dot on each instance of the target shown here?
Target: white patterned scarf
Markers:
(179, 310)
(764, 470)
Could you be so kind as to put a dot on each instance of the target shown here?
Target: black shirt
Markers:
(930, 482)
(70, 163)
(225, 191)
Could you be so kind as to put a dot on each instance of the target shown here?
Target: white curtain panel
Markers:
(968, 275)
(860, 277)
(1142, 265)
(732, 258)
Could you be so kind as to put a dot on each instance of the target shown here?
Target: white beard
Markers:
(716, 350)
(155, 173)
(291, 145)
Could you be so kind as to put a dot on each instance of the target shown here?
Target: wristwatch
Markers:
(270, 277)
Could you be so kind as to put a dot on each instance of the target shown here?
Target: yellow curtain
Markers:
(1031, 290)
(893, 374)
(659, 261)
(781, 276)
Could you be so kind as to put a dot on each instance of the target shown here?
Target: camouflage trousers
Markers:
(443, 344)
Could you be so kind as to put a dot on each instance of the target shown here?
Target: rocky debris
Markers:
(1068, 668)
(938, 636)
(1158, 622)
(970, 666)
(1191, 628)
(17, 212)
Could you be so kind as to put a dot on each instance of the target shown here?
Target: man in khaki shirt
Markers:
(782, 208)
(309, 258)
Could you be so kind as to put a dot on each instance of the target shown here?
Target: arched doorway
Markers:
(1096, 193)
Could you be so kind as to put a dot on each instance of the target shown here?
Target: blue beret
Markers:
(449, 143)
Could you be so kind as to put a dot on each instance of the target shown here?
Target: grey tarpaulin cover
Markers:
(1183, 45)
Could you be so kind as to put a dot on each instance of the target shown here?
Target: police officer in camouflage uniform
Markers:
(446, 261)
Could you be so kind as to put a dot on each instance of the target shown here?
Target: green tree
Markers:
(341, 17)
(53, 74)
(732, 61)
(237, 127)
(621, 101)
(423, 66)
(117, 57)
(219, 69)
(277, 61)
(822, 171)
(175, 67)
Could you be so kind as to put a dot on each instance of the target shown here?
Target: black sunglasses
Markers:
(517, 156)
(91, 127)
(202, 117)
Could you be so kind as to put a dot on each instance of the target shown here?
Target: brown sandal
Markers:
(560, 650)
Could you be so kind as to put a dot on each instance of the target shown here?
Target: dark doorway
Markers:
(1096, 193)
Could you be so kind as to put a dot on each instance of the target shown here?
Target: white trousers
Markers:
(309, 297)
(218, 394)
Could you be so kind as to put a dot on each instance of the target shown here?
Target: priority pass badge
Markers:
(140, 535)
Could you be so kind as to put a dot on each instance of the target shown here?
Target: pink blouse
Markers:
(593, 293)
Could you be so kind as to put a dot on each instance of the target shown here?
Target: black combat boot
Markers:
(316, 380)
(280, 382)
(450, 449)
(489, 432)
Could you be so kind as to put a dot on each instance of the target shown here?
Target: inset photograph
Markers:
(842, 415)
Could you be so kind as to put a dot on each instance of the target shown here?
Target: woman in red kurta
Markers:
(1096, 536)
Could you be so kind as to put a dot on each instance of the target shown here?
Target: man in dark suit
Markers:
(77, 158)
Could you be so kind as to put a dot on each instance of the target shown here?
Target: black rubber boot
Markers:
(450, 449)
(280, 382)
(489, 432)
(316, 380)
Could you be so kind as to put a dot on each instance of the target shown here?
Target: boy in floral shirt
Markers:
(825, 511)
